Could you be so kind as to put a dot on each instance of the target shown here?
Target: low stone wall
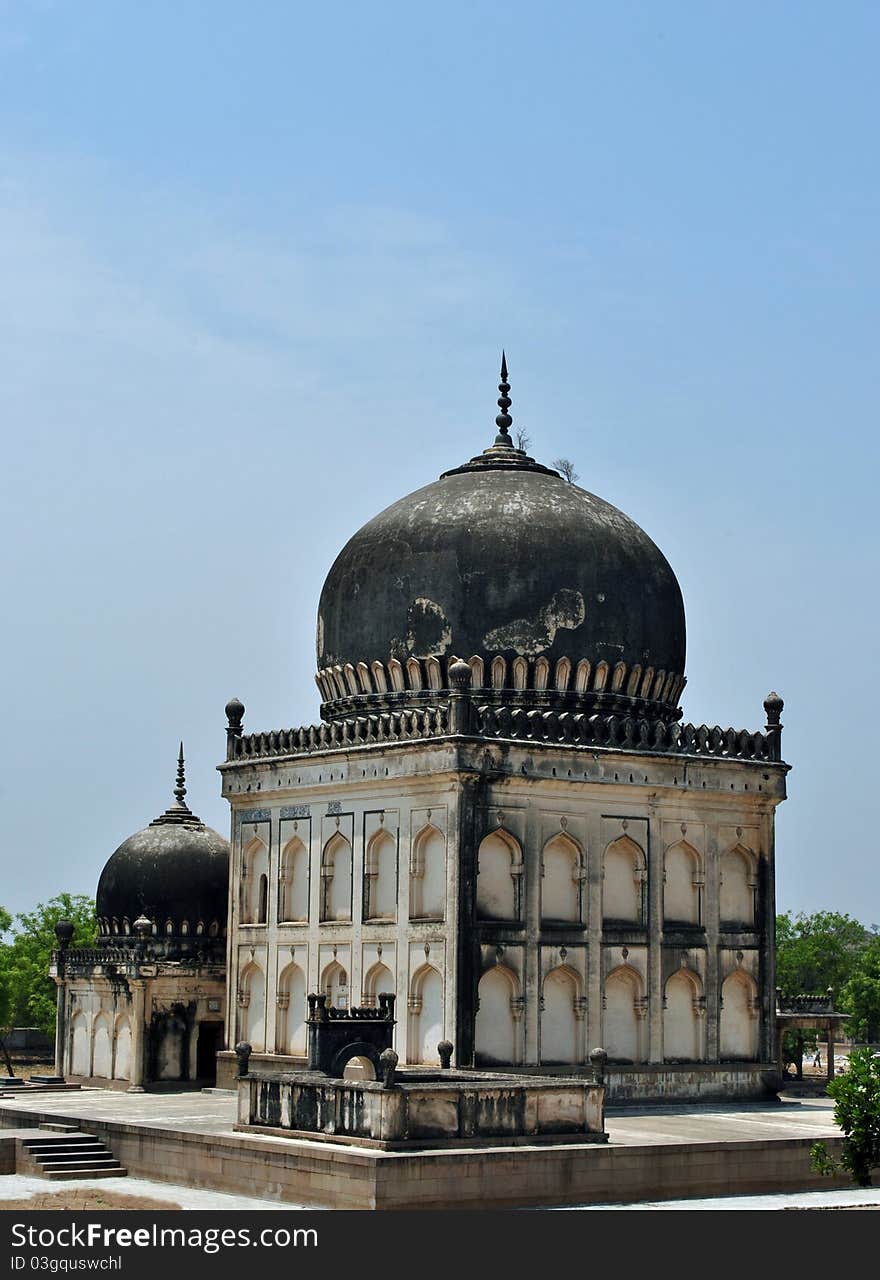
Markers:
(688, 1082)
(424, 1107)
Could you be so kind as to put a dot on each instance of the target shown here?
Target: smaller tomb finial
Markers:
(504, 420)
(180, 789)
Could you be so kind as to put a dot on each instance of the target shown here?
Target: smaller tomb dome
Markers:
(174, 872)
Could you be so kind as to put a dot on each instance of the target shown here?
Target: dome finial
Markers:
(180, 810)
(180, 789)
(504, 420)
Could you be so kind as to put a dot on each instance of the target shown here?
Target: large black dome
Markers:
(502, 557)
(175, 872)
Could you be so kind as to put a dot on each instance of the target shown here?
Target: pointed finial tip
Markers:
(503, 420)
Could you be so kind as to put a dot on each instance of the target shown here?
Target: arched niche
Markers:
(122, 1049)
(378, 978)
(561, 1017)
(624, 874)
(499, 873)
(561, 880)
(290, 1027)
(427, 875)
(102, 1048)
(739, 1017)
(380, 875)
(252, 1006)
(80, 1044)
(623, 1015)
(683, 1017)
(425, 1011)
(739, 883)
(336, 879)
(681, 887)
(334, 984)
(496, 1038)
(255, 866)
(293, 898)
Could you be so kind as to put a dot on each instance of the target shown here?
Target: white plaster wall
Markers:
(737, 894)
(496, 1027)
(122, 1055)
(430, 1016)
(621, 898)
(681, 1023)
(739, 1027)
(80, 1046)
(102, 1052)
(560, 881)
(622, 1032)
(559, 1024)
(496, 890)
(428, 881)
(382, 858)
(681, 895)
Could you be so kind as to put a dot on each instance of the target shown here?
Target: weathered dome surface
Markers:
(177, 873)
(176, 869)
(514, 562)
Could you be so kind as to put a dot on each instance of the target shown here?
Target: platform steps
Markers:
(69, 1155)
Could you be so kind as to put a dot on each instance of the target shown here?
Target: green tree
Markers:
(856, 1094)
(814, 952)
(860, 997)
(27, 955)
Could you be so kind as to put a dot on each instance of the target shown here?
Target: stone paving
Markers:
(213, 1113)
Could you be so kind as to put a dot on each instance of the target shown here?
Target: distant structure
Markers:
(145, 1007)
(501, 818)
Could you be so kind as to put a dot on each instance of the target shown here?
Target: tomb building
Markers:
(501, 817)
(145, 1006)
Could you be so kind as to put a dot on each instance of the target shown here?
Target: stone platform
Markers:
(672, 1152)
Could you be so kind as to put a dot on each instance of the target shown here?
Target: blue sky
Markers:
(257, 264)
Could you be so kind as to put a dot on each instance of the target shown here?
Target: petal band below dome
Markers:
(576, 681)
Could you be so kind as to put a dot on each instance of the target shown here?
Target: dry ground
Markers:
(84, 1198)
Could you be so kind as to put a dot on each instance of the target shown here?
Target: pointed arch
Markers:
(425, 1009)
(80, 1045)
(380, 877)
(623, 1015)
(252, 1006)
(122, 1048)
(378, 979)
(738, 872)
(683, 1017)
(290, 1022)
(738, 1029)
(254, 865)
(561, 879)
(682, 884)
(499, 1008)
(562, 1012)
(624, 875)
(499, 876)
(334, 984)
(102, 1047)
(293, 894)
(427, 875)
(336, 879)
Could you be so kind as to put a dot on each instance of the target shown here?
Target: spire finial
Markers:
(180, 789)
(504, 420)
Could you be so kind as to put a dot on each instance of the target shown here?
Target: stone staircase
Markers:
(66, 1154)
